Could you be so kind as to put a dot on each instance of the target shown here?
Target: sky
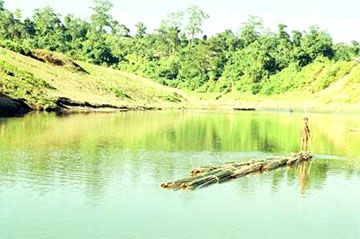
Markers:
(340, 18)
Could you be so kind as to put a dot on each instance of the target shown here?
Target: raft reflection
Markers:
(91, 150)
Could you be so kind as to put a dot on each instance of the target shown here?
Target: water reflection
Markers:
(92, 151)
(95, 172)
(182, 131)
(303, 174)
(98, 175)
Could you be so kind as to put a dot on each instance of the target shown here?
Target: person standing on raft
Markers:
(305, 135)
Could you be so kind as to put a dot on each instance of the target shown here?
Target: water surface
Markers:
(98, 176)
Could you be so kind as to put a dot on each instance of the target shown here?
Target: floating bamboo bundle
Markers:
(206, 175)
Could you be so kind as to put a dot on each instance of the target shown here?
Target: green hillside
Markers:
(320, 86)
(41, 82)
(99, 63)
(52, 81)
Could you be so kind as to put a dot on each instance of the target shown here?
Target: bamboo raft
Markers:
(207, 175)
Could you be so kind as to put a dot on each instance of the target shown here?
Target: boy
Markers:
(305, 135)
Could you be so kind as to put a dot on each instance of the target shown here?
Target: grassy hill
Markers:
(51, 81)
(321, 86)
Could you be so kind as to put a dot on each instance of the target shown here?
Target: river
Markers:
(99, 175)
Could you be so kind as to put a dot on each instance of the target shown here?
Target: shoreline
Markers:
(10, 107)
(17, 107)
(52, 88)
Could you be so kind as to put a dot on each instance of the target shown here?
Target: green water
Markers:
(98, 176)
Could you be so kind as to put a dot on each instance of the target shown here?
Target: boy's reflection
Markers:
(303, 175)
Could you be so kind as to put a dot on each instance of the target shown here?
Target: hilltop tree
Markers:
(119, 30)
(317, 43)
(46, 21)
(29, 28)
(355, 48)
(221, 47)
(284, 48)
(76, 29)
(96, 48)
(18, 28)
(297, 38)
(49, 30)
(282, 32)
(343, 52)
(18, 14)
(298, 55)
(251, 31)
(167, 39)
(6, 24)
(195, 20)
(2, 5)
(175, 20)
(101, 17)
(140, 30)
(195, 65)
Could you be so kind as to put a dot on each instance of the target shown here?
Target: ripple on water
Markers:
(100, 175)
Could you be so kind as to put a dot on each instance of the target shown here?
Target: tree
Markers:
(101, 17)
(221, 48)
(140, 30)
(46, 21)
(29, 28)
(343, 52)
(18, 14)
(19, 31)
(6, 25)
(297, 38)
(355, 47)
(195, 21)
(282, 32)
(195, 65)
(76, 29)
(175, 20)
(317, 43)
(299, 56)
(97, 51)
(251, 31)
(284, 47)
(49, 30)
(167, 39)
(119, 30)
(2, 5)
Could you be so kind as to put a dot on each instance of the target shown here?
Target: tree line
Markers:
(177, 53)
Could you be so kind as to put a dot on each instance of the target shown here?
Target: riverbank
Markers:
(47, 81)
(12, 107)
(284, 103)
(17, 107)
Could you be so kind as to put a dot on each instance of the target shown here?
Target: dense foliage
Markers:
(176, 54)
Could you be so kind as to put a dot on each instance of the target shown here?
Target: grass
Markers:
(17, 83)
(314, 77)
(45, 76)
(321, 86)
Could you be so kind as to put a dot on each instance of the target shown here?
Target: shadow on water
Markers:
(12, 107)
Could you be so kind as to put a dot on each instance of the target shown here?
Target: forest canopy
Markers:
(177, 53)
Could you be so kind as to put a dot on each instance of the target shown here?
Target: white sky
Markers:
(340, 18)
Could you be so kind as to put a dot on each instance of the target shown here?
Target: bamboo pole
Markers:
(207, 175)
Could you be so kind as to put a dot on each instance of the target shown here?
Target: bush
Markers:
(23, 48)
(332, 72)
